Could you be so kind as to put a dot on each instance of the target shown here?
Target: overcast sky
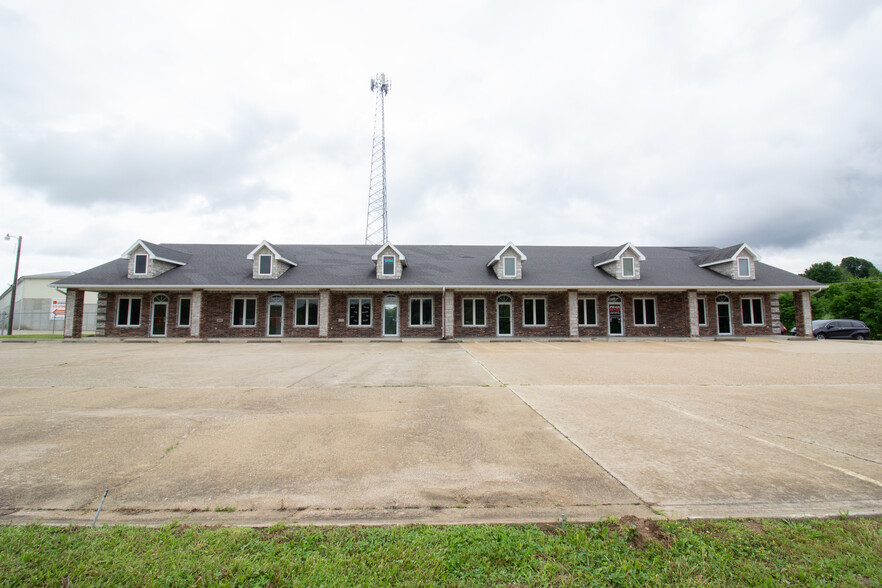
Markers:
(566, 123)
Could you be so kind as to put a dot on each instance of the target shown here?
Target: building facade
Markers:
(434, 291)
(34, 297)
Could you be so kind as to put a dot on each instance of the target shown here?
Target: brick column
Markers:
(195, 313)
(802, 309)
(101, 315)
(775, 311)
(573, 309)
(73, 314)
(692, 303)
(449, 330)
(324, 308)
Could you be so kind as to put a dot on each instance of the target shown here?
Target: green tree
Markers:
(859, 268)
(824, 272)
(788, 314)
(858, 300)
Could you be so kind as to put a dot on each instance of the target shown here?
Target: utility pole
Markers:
(377, 229)
(14, 283)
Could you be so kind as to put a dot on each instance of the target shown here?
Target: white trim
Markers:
(642, 300)
(278, 255)
(410, 301)
(717, 304)
(244, 311)
(139, 243)
(269, 304)
(618, 255)
(503, 250)
(260, 259)
(383, 263)
(135, 271)
(397, 315)
(544, 311)
(514, 273)
(762, 311)
(734, 256)
(140, 300)
(153, 303)
(317, 312)
(474, 299)
(189, 311)
(579, 305)
(633, 267)
(394, 248)
(510, 304)
(738, 262)
(370, 322)
(621, 315)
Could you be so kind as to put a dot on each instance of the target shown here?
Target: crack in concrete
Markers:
(643, 501)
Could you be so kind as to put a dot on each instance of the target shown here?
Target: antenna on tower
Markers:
(377, 230)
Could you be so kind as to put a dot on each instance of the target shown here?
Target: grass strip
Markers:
(627, 552)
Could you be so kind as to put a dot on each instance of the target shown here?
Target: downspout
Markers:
(443, 313)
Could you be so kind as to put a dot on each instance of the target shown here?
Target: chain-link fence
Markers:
(42, 322)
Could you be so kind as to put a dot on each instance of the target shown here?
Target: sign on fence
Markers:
(56, 310)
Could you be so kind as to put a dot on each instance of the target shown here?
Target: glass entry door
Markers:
(390, 316)
(503, 315)
(724, 318)
(614, 312)
(160, 315)
(275, 317)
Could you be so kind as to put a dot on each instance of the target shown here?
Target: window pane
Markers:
(300, 312)
(388, 265)
(353, 312)
(140, 264)
(745, 311)
(743, 266)
(135, 311)
(184, 312)
(312, 315)
(479, 312)
(508, 266)
(266, 264)
(251, 312)
(757, 311)
(702, 319)
(427, 311)
(628, 266)
(468, 312)
(528, 311)
(591, 312)
(581, 306)
(366, 311)
(650, 311)
(414, 311)
(639, 319)
(122, 315)
(540, 312)
(238, 306)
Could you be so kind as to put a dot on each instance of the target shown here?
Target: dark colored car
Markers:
(840, 329)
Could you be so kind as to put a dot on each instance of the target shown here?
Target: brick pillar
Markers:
(101, 315)
(324, 307)
(449, 330)
(73, 313)
(802, 309)
(692, 301)
(196, 313)
(775, 308)
(573, 310)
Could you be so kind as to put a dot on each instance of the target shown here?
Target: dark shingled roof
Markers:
(718, 255)
(164, 252)
(433, 266)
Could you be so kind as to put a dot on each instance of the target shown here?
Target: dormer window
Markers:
(388, 265)
(509, 269)
(743, 267)
(266, 265)
(622, 263)
(140, 264)
(628, 267)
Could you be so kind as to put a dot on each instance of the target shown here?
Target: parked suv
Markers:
(840, 329)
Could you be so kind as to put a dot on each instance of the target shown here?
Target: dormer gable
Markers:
(148, 260)
(508, 263)
(736, 261)
(390, 262)
(267, 262)
(622, 263)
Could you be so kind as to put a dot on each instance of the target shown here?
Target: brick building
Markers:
(434, 291)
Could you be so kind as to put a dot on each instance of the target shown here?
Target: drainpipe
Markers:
(443, 312)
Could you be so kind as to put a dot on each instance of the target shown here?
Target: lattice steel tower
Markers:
(377, 229)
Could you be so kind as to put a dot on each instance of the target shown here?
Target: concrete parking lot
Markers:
(385, 432)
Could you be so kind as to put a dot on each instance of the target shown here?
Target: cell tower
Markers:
(377, 229)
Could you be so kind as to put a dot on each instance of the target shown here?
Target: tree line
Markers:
(854, 292)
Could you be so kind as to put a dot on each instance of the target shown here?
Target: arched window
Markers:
(504, 298)
(160, 298)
